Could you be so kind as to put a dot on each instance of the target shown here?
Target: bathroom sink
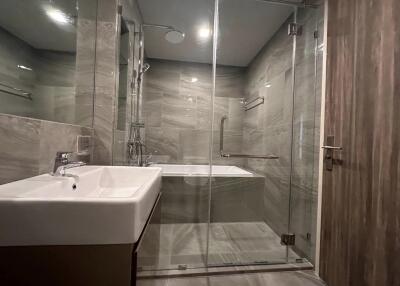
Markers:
(99, 205)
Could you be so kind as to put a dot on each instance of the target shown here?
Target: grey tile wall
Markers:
(28, 146)
(85, 63)
(177, 111)
(105, 100)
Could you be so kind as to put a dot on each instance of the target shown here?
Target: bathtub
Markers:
(236, 194)
(202, 170)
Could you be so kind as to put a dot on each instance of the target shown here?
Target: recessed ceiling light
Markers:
(268, 84)
(194, 79)
(204, 33)
(58, 16)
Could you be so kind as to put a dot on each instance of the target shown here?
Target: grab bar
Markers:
(23, 93)
(248, 103)
(229, 155)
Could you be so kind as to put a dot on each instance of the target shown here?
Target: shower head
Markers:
(172, 35)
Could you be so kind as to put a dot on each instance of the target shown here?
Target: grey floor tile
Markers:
(152, 282)
(292, 278)
(230, 243)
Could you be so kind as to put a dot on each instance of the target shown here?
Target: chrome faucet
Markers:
(62, 163)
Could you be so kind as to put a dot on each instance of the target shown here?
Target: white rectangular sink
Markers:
(110, 205)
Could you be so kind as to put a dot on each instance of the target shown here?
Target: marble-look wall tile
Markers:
(29, 146)
(119, 148)
(177, 96)
(194, 146)
(179, 111)
(105, 99)
(153, 109)
(163, 142)
(19, 152)
(230, 81)
(159, 80)
(56, 137)
(85, 66)
(235, 114)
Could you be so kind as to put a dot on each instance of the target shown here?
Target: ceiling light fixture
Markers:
(194, 79)
(204, 33)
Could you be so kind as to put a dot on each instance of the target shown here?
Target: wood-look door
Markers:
(360, 240)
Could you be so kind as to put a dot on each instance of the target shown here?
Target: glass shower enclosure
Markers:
(230, 112)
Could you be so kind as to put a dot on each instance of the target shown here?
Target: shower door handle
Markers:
(329, 159)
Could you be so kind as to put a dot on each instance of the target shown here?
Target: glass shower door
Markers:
(176, 97)
(306, 130)
(253, 109)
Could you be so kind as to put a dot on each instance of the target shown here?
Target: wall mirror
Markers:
(47, 59)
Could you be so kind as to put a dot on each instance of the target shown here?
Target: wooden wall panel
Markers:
(360, 242)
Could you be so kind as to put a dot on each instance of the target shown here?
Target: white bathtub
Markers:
(202, 170)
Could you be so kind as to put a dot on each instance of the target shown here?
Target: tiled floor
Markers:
(290, 278)
(230, 243)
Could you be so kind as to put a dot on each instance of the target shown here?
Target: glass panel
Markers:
(176, 107)
(304, 184)
(254, 93)
(47, 59)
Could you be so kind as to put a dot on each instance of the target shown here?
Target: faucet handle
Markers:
(63, 157)
(62, 154)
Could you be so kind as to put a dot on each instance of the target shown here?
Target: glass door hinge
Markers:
(295, 29)
(288, 239)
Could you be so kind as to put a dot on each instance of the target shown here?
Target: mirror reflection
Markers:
(41, 59)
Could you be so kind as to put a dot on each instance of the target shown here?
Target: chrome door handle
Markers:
(334, 148)
(330, 149)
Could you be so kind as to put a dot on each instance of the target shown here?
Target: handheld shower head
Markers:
(145, 67)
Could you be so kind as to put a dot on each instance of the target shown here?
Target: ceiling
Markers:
(245, 26)
(28, 21)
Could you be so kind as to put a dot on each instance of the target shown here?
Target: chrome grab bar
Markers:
(260, 100)
(22, 93)
(229, 155)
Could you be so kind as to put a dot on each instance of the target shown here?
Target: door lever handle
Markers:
(329, 151)
(333, 148)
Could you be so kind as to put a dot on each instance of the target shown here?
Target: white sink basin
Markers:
(110, 205)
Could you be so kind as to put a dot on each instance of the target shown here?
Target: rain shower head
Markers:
(172, 35)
